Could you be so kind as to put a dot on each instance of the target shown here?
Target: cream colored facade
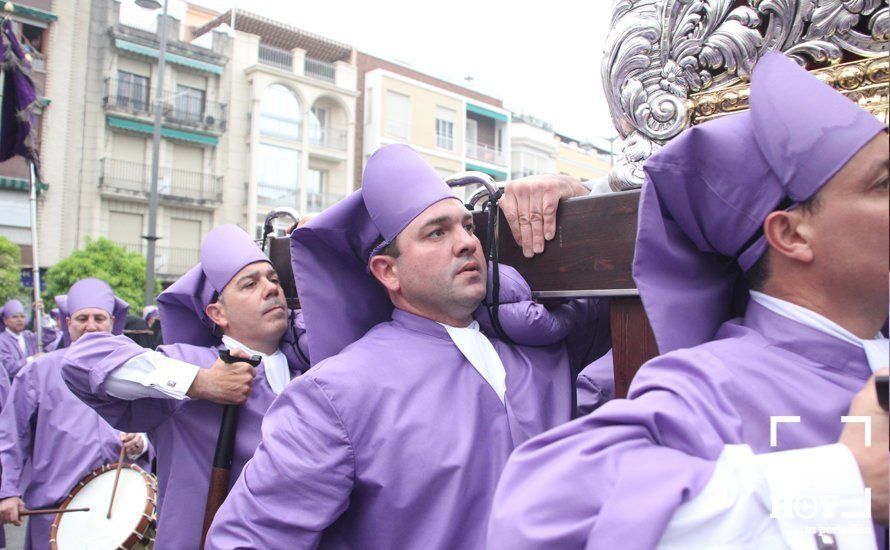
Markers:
(537, 149)
(584, 163)
(438, 123)
(278, 151)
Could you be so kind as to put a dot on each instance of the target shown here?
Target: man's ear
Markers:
(384, 269)
(789, 235)
(217, 314)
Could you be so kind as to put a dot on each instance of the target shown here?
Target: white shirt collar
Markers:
(20, 337)
(277, 371)
(479, 351)
(877, 349)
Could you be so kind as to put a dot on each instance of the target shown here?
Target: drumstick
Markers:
(52, 511)
(117, 477)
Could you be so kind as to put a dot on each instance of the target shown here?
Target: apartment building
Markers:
(291, 141)
(537, 149)
(455, 128)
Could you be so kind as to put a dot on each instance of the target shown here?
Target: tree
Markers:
(124, 271)
(10, 270)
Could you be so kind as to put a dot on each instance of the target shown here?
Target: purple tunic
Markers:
(46, 431)
(396, 442)
(614, 478)
(4, 392)
(11, 356)
(183, 433)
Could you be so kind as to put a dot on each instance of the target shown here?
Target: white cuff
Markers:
(172, 377)
(818, 489)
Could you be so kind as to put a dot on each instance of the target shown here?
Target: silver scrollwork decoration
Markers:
(659, 52)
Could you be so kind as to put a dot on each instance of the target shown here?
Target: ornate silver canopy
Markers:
(672, 63)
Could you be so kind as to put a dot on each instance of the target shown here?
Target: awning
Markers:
(496, 174)
(170, 133)
(177, 59)
(486, 112)
(19, 184)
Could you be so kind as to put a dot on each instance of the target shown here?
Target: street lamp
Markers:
(152, 237)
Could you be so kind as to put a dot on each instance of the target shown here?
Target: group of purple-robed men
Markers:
(50, 440)
(762, 264)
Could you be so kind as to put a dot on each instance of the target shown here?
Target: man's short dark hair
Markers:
(391, 250)
(758, 273)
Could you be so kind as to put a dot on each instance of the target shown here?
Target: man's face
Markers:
(252, 306)
(851, 222)
(441, 268)
(15, 323)
(89, 319)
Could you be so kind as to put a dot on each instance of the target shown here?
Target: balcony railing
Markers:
(273, 196)
(487, 153)
(316, 202)
(445, 142)
(321, 70)
(169, 260)
(134, 177)
(175, 261)
(329, 137)
(276, 57)
(178, 108)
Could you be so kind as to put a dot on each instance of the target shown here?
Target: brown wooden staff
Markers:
(221, 471)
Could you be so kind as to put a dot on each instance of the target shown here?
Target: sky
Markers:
(540, 58)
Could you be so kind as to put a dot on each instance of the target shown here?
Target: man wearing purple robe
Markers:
(231, 300)
(397, 435)
(748, 431)
(49, 440)
(18, 346)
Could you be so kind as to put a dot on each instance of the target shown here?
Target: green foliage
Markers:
(124, 271)
(10, 271)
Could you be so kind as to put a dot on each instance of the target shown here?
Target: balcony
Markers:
(175, 185)
(175, 261)
(485, 153)
(321, 70)
(444, 141)
(316, 202)
(328, 137)
(276, 57)
(271, 196)
(181, 109)
(170, 261)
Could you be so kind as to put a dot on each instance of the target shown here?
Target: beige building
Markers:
(293, 96)
(453, 127)
(537, 149)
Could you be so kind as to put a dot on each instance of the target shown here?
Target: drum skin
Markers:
(133, 518)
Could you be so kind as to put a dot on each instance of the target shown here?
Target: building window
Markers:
(280, 115)
(398, 116)
(317, 190)
(33, 41)
(278, 183)
(132, 91)
(318, 124)
(189, 104)
(529, 164)
(445, 119)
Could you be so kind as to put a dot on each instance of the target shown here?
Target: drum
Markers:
(133, 518)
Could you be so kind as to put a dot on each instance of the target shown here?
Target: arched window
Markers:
(280, 113)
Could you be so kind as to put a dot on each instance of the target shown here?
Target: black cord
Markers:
(492, 254)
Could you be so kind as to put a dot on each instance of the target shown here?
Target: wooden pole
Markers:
(117, 478)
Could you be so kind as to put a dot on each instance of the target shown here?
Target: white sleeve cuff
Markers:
(172, 377)
(777, 500)
(818, 490)
(151, 375)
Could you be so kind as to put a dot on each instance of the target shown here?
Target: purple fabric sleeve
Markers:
(299, 480)
(614, 478)
(16, 434)
(85, 368)
(596, 384)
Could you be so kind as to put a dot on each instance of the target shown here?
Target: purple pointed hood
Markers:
(707, 193)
